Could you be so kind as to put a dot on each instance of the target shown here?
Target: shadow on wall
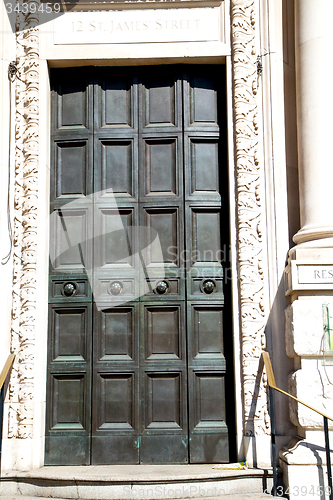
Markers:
(283, 367)
(289, 87)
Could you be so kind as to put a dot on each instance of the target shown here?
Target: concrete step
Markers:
(254, 496)
(136, 482)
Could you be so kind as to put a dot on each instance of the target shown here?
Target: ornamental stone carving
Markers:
(21, 390)
(249, 215)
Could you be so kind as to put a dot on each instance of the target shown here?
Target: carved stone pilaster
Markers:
(249, 215)
(21, 390)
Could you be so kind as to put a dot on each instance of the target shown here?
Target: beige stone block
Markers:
(303, 464)
(17, 454)
(311, 386)
(304, 328)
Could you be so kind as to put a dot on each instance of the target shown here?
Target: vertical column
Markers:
(314, 74)
(21, 449)
(310, 269)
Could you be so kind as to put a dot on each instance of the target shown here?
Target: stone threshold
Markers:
(132, 482)
(135, 473)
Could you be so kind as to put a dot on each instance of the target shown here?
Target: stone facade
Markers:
(256, 41)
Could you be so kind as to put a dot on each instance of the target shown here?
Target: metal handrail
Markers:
(3, 376)
(6, 368)
(272, 386)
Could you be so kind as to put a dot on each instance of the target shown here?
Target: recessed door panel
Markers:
(164, 332)
(115, 416)
(163, 399)
(69, 402)
(117, 334)
(70, 247)
(116, 394)
(116, 100)
(204, 236)
(117, 168)
(71, 169)
(68, 418)
(116, 239)
(202, 178)
(162, 169)
(202, 101)
(69, 333)
(209, 407)
(72, 102)
(162, 228)
(160, 100)
(137, 356)
(208, 429)
(207, 328)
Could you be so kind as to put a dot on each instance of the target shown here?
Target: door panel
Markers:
(117, 167)
(115, 424)
(162, 168)
(136, 367)
(69, 333)
(69, 393)
(161, 100)
(162, 220)
(207, 332)
(208, 432)
(115, 100)
(202, 179)
(73, 101)
(117, 334)
(164, 332)
(201, 101)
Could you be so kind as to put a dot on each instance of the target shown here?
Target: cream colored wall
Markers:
(310, 263)
(277, 160)
(281, 196)
(27, 453)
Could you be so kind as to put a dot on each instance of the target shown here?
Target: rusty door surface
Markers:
(136, 357)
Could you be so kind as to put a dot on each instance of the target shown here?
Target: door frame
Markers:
(43, 251)
(226, 252)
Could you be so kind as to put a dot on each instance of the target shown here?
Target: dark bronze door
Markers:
(136, 363)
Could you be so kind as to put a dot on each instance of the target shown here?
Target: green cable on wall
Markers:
(327, 329)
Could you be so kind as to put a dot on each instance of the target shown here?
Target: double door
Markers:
(136, 361)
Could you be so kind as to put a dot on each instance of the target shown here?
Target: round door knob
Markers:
(69, 289)
(208, 286)
(162, 287)
(116, 287)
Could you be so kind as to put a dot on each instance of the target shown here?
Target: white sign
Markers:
(315, 274)
(140, 26)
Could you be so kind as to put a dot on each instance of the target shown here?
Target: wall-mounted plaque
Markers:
(139, 26)
(313, 274)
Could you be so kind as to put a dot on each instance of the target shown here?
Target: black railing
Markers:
(3, 377)
(272, 386)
